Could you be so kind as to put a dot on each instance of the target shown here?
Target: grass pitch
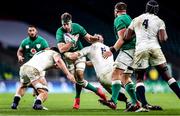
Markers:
(61, 104)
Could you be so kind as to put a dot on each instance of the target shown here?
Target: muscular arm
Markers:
(128, 34)
(117, 45)
(89, 38)
(60, 64)
(64, 47)
(120, 40)
(20, 55)
(162, 35)
(72, 55)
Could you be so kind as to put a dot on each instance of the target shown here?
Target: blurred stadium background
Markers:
(96, 16)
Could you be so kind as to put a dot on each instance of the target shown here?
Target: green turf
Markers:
(61, 104)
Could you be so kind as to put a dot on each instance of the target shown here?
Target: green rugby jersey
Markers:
(76, 29)
(120, 22)
(30, 47)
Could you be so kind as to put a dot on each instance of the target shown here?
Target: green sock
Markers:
(116, 87)
(91, 87)
(130, 88)
(78, 90)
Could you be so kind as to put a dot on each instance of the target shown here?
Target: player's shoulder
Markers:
(25, 40)
(59, 30)
(40, 37)
(76, 25)
(122, 18)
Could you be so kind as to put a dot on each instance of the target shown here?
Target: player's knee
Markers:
(82, 83)
(162, 69)
(140, 75)
(116, 75)
(45, 95)
(40, 87)
(80, 75)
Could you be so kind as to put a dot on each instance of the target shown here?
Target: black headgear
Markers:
(152, 7)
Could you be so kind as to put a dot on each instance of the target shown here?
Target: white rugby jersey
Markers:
(146, 27)
(94, 53)
(42, 60)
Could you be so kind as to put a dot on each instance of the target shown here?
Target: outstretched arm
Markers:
(90, 38)
(72, 55)
(61, 65)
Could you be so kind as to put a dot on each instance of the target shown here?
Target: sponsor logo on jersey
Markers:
(27, 46)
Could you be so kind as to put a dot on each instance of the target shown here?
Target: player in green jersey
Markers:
(122, 73)
(68, 38)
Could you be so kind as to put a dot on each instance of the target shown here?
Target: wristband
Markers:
(112, 49)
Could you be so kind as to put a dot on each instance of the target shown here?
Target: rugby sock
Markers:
(174, 86)
(38, 102)
(116, 87)
(16, 99)
(121, 96)
(91, 87)
(131, 91)
(140, 93)
(78, 90)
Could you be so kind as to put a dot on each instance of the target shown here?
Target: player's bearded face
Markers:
(67, 26)
(32, 32)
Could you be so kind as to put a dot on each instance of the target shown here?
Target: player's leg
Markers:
(80, 67)
(42, 89)
(116, 87)
(24, 81)
(19, 93)
(130, 88)
(140, 92)
(140, 88)
(141, 62)
(78, 88)
(106, 82)
(81, 81)
(159, 61)
(163, 70)
(116, 78)
(123, 61)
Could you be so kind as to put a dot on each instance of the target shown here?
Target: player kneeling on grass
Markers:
(30, 74)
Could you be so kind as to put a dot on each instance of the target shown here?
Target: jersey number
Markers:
(145, 23)
(103, 49)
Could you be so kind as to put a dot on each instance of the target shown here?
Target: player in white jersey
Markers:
(31, 74)
(103, 67)
(150, 30)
